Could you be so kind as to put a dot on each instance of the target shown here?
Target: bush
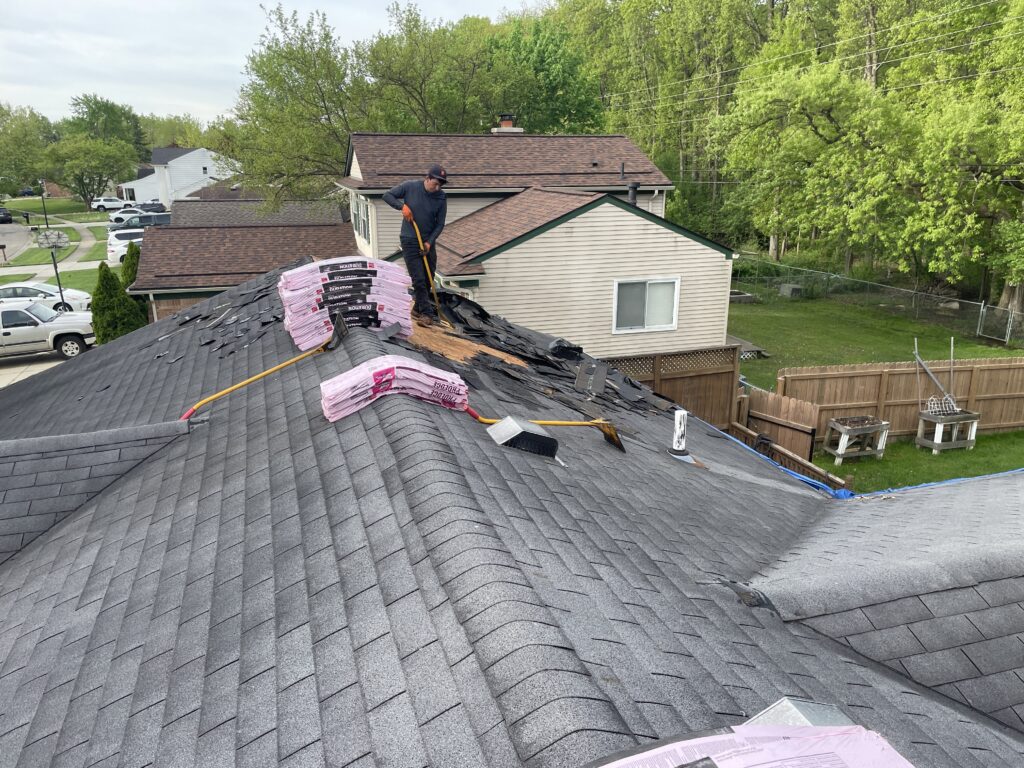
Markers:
(130, 271)
(114, 313)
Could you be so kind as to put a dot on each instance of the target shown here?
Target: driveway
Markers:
(14, 369)
(15, 237)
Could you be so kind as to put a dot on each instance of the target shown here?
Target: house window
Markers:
(361, 217)
(645, 305)
(204, 171)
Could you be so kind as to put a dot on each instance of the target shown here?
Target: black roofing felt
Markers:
(164, 155)
(396, 589)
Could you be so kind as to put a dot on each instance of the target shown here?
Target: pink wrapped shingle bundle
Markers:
(388, 375)
(366, 292)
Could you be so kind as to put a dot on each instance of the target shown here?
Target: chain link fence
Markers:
(771, 281)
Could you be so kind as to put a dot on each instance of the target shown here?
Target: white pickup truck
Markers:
(34, 327)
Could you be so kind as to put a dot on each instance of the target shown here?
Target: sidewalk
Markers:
(44, 272)
(14, 369)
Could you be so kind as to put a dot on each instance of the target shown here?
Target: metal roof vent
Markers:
(790, 710)
(524, 436)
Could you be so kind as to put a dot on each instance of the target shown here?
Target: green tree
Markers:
(24, 136)
(294, 115)
(105, 120)
(89, 166)
(130, 271)
(181, 130)
(113, 312)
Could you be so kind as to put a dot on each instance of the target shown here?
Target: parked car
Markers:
(33, 327)
(44, 293)
(108, 203)
(142, 220)
(119, 216)
(152, 207)
(5, 216)
(117, 243)
(26, 192)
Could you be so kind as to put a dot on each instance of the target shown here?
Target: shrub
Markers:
(114, 313)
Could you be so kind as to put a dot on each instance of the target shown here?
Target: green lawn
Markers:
(905, 464)
(54, 205)
(100, 233)
(36, 256)
(73, 234)
(82, 279)
(16, 278)
(98, 252)
(824, 332)
(84, 218)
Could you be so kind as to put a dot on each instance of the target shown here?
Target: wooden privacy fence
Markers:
(784, 457)
(703, 381)
(993, 387)
(787, 421)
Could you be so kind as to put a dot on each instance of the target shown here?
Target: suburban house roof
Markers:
(229, 189)
(177, 258)
(472, 239)
(396, 588)
(501, 161)
(164, 155)
(227, 213)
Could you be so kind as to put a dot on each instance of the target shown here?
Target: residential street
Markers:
(15, 237)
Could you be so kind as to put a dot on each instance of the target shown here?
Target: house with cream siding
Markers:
(605, 274)
(486, 168)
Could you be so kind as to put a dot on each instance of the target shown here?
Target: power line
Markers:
(746, 92)
(809, 50)
(644, 104)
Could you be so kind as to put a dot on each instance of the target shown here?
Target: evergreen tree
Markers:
(113, 312)
(130, 270)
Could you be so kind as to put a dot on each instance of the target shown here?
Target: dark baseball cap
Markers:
(438, 172)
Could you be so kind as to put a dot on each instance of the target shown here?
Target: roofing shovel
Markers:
(430, 276)
(611, 435)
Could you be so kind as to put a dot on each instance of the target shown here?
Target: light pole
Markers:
(54, 239)
(46, 219)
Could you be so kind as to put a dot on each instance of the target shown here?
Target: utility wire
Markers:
(644, 104)
(811, 50)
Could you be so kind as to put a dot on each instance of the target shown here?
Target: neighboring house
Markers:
(258, 586)
(485, 168)
(173, 173)
(212, 245)
(605, 274)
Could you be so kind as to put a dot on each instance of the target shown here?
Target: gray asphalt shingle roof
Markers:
(396, 589)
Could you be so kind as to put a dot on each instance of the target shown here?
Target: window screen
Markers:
(645, 304)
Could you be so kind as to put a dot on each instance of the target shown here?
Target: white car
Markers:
(118, 216)
(108, 203)
(118, 240)
(46, 294)
(31, 327)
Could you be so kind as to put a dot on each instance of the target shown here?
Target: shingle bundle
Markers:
(365, 292)
(388, 375)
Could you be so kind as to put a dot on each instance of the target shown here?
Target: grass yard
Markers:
(54, 205)
(85, 218)
(15, 278)
(905, 464)
(37, 256)
(97, 252)
(100, 233)
(82, 279)
(73, 234)
(824, 332)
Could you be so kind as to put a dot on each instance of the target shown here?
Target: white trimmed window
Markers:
(361, 217)
(645, 305)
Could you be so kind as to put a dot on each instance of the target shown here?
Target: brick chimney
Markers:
(506, 124)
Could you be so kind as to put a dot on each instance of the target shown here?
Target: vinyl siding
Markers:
(386, 222)
(354, 172)
(179, 178)
(562, 282)
(648, 202)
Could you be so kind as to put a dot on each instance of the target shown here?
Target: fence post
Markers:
(981, 320)
(971, 389)
(883, 388)
(1009, 326)
(657, 373)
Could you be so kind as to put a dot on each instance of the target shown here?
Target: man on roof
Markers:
(421, 201)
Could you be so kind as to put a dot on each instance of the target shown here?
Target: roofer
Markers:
(425, 203)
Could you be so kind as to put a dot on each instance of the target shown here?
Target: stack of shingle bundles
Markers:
(365, 292)
(388, 375)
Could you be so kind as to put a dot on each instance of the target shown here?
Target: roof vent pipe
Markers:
(622, 170)
(633, 187)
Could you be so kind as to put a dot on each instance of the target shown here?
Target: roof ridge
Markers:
(492, 135)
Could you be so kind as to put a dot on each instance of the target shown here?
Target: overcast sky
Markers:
(162, 56)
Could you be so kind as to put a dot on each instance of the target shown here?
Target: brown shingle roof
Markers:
(498, 223)
(238, 213)
(217, 257)
(502, 160)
